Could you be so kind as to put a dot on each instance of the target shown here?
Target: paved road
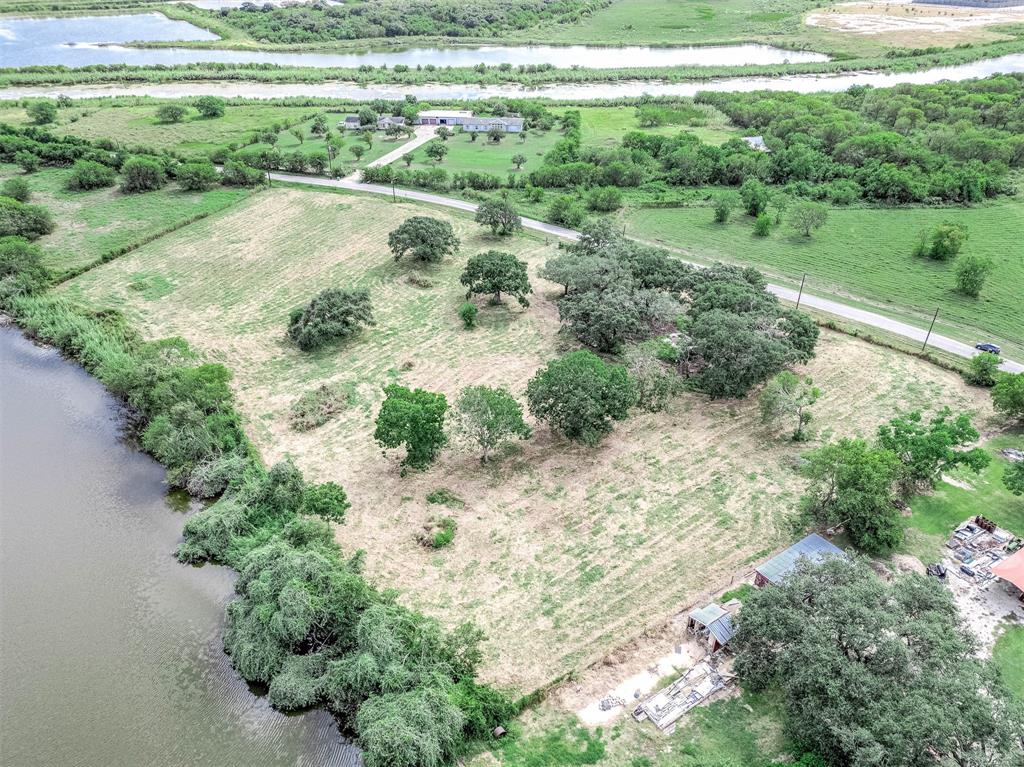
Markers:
(828, 305)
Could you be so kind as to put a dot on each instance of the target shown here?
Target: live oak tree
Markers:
(605, 320)
(579, 395)
(851, 485)
(926, 450)
(499, 215)
(789, 396)
(413, 418)
(210, 106)
(489, 417)
(333, 315)
(519, 160)
(171, 113)
(1008, 395)
(983, 369)
(494, 272)
(427, 239)
(876, 673)
(436, 151)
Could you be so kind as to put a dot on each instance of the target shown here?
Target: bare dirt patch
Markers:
(562, 553)
(905, 23)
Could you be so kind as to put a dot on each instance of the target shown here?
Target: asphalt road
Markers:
(820, 303)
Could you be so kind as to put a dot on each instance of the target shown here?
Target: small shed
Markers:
(712, 624)
(813, 547)
(757, 142)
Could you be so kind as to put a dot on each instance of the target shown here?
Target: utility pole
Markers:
(929, 334)
(800, 295)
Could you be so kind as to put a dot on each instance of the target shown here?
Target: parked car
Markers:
(986, 347)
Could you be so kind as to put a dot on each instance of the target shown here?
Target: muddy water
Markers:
(577, 92)
(110, 651)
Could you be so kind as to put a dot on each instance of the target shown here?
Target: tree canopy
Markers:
(499, 215)
(874, 672)
(1008, 395)
(333, 315)
(579, 395)
(495, 272)
(413, 418)
(489, 417)
(427, 239)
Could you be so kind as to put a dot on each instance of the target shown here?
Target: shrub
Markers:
(442, 496)
(21, 268)
(332, 315)
(604, 199)
(42, 112)
(567, 211)
(468, 312)
(21, 220)
(210, 106)
(28, 161)
(86, 175)
(16, 189)
(763, 225)
(982, 369)
(438, 532)
(327, 501)
(943, 243)
(724, 203)
(755, 197)
(316, 407)
(170, 113)
(971, 272)
(141, 174)
(237, 173)
(197, 176)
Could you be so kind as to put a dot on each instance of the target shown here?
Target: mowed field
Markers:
(135, 124)
(92, 224)
(562, 552)
(866, 253)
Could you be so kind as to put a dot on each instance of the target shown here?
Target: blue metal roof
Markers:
(715, 618)
(814, 547)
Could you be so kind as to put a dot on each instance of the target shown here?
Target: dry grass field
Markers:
(562, 553)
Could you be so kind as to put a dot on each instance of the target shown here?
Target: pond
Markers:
(569, 91)
(82, 41)
(110, 651)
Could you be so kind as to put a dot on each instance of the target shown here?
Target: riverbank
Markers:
(92, 652)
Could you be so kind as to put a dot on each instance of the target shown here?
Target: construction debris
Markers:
(977, 545)
(698, 685)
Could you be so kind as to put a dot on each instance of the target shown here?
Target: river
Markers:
(110, 651)
(87, 40)
(575, 92)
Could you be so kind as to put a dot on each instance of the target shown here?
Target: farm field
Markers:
(866, 253)
(562, 552)
(91, 224)
(134, 124)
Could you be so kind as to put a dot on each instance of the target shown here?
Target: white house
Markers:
(484, 124)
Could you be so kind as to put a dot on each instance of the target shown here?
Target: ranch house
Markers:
(484, 124)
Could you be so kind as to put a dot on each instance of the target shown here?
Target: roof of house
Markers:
(445, 113)
(813, 547)
(399, 120)
(757, 142)
(1012, 569)
(503, 121)
(716, 619)
(351, 118)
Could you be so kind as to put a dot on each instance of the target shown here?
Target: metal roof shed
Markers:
(813, 547)
(715, 621)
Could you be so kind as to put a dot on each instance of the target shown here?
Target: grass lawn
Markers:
(137, 124)
(605, 126)
(866, 252)
(1008, 655)
(935, 515)
(91, 224)
(484, 156)
(557, 545)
